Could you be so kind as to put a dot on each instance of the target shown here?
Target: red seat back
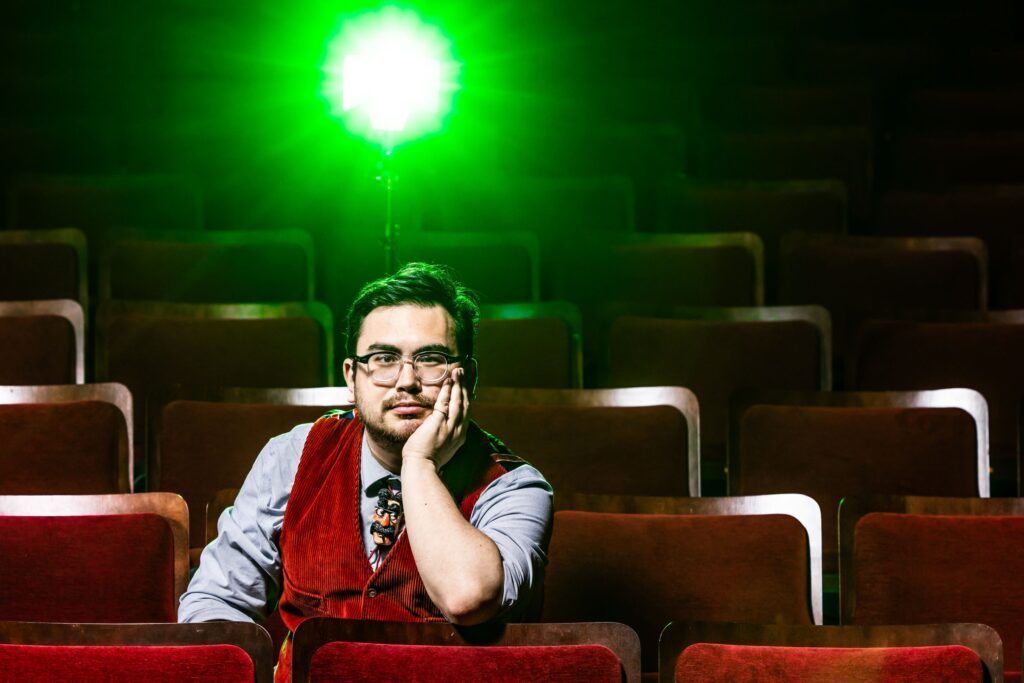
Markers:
(102, 663)
(101, 568)
(341, 661)
(646, 570)
(62, 448)
(918, 569)
(714, 662)
(37, 349)
(526, 352)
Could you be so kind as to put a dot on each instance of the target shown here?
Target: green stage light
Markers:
(390, 76)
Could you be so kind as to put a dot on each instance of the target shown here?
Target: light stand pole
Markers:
(387, 177)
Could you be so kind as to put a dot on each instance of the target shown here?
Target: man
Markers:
(402, 509)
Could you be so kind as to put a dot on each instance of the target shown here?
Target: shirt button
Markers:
(372, 593)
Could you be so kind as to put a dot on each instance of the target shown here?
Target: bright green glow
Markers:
(390, 76)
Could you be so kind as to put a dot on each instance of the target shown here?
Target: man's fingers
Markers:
(455, 404)
(443, 399)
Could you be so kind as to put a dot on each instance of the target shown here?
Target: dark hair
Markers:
(421, 284)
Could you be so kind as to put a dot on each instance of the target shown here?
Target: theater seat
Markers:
(566, 432)
(107, 558)
(43, 264)
(65, 439)
(747, 559)
(837, 444)
(919, 560)
(43, 342)
(201, 441)
(530, 345)
(114, 653)
(742, 653)
(337, 649)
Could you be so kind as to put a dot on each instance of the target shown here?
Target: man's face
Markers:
(392, 412)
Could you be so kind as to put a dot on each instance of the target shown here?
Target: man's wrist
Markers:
(415, 463)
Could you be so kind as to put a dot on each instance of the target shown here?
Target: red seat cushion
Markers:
(752, 663)
(103, 568)
(924, 569)
(648, 570)
(373, 661)
(60, 448)
(106, 663)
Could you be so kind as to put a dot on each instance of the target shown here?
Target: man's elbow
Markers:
(471, 605)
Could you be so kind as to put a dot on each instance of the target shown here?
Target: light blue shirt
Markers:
(239, 575)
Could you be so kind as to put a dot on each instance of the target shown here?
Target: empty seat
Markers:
(774, 105)
(860, 277)
(65, 439)
(94, 203)
(714, 353)
(650, 560)
(941, 160)
(209, 267)
(218, 652)
(768, 209)
(981, 355)
(716, 652)
(106, 558)
(43, 264)
(965, 109)
(990, 212)
(501, 266)
(530, 345)
(566, 433)
(204, 441)
(341, 649)
(845, 154)
(43, 342)
(723, 269)
(910, 560)
(832, 445)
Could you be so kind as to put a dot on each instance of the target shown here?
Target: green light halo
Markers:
(389, 76)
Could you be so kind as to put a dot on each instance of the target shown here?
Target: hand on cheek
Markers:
(443, 432)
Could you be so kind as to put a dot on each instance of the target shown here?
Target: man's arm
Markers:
(239, 575)
(460, 566)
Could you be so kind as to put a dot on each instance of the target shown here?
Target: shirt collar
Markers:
(372, 474)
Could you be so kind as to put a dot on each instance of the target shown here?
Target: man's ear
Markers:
(349, 368)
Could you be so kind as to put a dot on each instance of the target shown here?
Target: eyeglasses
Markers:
(430, 367)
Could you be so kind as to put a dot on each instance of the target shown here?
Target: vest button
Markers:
(372, 593)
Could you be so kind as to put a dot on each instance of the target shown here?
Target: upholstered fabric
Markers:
(111, 663)
(104, 568)
(682, 275)
(593, 450)
(37, 350)
(714, 359)
(647, 570)
(61, 448)
(38, 271)
(207, 446)
(525, 352)
(429, 663)
(276, 352)
(197, 272)
(709, 662)
(982, 356)
(830, 453)
(924, 569)
(855, 283)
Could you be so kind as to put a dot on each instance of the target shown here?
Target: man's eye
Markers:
(386, 358)
(431, 359)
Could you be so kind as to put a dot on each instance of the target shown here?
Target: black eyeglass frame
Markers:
(449, 360)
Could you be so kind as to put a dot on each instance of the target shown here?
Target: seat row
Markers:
(748, 559)
(327, 649)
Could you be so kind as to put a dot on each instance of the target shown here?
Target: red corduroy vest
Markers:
(325, 568)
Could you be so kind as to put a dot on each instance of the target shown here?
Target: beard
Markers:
(376, 426)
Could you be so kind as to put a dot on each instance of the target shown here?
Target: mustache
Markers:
(388, 405)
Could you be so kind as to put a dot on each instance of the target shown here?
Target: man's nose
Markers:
(407, 377)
